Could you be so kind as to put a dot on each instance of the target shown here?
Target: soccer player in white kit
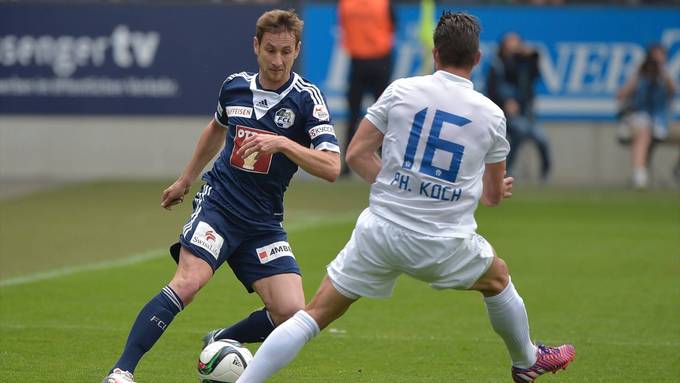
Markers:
(443, 151)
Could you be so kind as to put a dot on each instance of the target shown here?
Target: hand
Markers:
(507, 187)
(174, 194)
(262, 144)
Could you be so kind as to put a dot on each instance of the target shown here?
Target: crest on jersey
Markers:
(320, 112)
(284, 118)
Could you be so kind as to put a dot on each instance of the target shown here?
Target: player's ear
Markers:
(435, 57)
(297, 48)
(478, 58)
(256, 45)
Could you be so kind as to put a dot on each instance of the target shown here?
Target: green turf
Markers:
(598, 268)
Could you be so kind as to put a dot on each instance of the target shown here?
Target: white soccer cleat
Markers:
(119, 376)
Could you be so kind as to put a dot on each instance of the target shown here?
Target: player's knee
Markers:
(495, 280)
(186, 287)
(500, 277)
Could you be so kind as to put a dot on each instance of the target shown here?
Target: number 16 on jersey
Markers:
(434, 144)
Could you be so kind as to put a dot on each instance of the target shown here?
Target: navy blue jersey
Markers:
(253, 189)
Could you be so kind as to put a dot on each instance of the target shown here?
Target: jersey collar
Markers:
(282, 88)
(263, 100)
(455, 78)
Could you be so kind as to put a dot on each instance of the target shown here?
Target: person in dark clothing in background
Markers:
(510, 84)
(367, 29)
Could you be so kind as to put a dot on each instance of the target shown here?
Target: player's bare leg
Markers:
(642, 139)
(192, 274)
(282, 295)
(328, 304)
(284, 343)
(509, 319)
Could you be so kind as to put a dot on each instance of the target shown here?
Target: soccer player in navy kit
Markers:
(272, 122)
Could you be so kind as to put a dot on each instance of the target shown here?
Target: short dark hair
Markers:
(277, 21)
(456, 38)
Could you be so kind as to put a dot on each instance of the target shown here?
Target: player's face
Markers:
(275, 56)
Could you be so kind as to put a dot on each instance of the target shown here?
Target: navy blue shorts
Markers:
(252, 252)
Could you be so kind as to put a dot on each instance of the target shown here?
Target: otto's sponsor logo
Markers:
(273, 251)
(239, 111)
(284, 118)
(260, 164)
(206, 237)
(320, 112)
(321, 129)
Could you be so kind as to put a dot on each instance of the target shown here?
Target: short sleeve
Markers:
(319, 125)
(378, 112)
(499, 144)
(220, 115)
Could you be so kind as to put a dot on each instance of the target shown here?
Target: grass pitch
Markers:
(600, 269)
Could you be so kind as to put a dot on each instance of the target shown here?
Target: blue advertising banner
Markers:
(586, 53)
(121, 59)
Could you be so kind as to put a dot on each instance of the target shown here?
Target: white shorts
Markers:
(379, 251)
(643, 120)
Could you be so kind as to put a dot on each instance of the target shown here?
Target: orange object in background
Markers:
(366, 28)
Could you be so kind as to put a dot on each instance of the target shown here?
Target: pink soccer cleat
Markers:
(548, 359)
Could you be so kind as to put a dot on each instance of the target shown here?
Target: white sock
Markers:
(509, 319)
(640, 177)
(280, 347)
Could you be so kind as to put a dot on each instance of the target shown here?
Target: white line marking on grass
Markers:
(134, 259)
(306, 221)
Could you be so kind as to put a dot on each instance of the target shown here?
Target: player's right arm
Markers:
(362, 153)
(209, 144)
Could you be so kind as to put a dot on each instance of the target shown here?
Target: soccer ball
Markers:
(223, 361)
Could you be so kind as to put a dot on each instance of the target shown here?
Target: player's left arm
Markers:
(320, 163)
(496, 186)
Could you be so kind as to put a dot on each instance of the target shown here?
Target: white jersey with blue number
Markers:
(439, 134)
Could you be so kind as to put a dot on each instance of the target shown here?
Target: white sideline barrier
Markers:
(82, 148)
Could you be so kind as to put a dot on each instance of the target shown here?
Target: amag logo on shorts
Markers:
(65, 54)
(273, 251)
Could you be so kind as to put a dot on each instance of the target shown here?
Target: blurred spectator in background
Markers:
(510, 84)
(367, 29)
(646, 100)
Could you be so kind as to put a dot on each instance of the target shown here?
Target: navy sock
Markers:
(255, 328)
(150, 324)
